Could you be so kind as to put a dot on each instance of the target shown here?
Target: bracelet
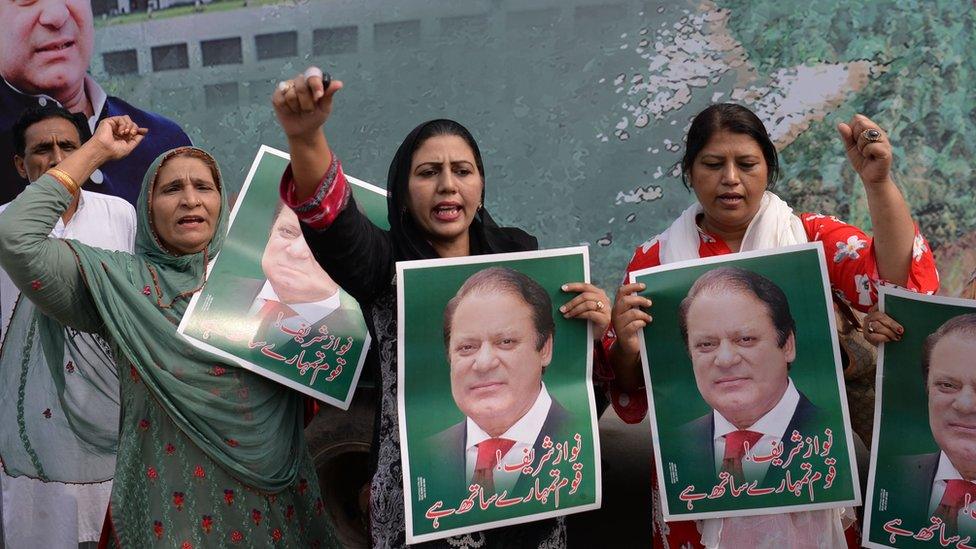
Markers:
(66, 180)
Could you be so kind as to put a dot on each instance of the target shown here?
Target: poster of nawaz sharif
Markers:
(744, 386)
(497, 416)
(923, 461)
(269, 306)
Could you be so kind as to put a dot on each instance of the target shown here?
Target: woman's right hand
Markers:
(629, 317)
(303, 104)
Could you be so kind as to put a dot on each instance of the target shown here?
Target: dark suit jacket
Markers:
(698, 437)
(449, 447)
(909, 484)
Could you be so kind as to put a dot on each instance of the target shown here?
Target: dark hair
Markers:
(277, 212)
(504, 279)
(736, 279)
(444, 126)
(33, 115)
(731, 118)
(964, 324)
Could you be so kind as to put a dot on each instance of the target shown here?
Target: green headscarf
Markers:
(249, 425)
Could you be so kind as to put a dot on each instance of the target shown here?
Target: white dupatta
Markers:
(773, 226)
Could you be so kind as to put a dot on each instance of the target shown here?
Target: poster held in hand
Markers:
(269, 306)
(498, 422)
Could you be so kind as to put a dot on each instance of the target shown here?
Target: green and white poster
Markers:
(497, 415)
(267, 303)
(921, 490)
(745, 386)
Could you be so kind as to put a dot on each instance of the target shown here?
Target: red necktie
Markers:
(269, 315)
(953, 500)
(488, 460)
(735, 450)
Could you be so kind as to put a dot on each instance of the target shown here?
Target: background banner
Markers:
(581, 99)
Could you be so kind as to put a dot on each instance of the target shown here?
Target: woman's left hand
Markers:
(880, 328)
(591, 304)
(868, 150)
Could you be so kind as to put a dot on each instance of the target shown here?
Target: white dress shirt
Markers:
(524, 432)
(52, 514)
(307, 313)
(947, 471)
(772, 426)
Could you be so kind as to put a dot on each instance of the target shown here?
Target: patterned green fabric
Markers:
(169, 493)
(209, 454)
(63, 389)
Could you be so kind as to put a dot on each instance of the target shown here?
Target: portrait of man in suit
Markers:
(498, 335)
(741, 338)
(294, 302)
(937, 484)
(297, 290)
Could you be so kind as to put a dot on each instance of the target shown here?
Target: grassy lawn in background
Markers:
(216, 5)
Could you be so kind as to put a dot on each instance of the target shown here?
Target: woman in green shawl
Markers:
(209, 455)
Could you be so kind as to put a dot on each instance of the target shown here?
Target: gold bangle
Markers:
(66, 180)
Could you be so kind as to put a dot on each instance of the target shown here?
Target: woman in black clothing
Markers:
(436, 209)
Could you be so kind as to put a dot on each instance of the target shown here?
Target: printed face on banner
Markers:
(497, 418)
(289, 265)
(952, 399)
(742, 423)
(496, 358)
(46, 45)
(740, 367)
(922, 484)
(268, 305)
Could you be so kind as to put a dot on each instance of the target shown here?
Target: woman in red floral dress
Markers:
(730, 163)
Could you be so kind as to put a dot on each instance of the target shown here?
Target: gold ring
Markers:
(873, 135)
(599, 305)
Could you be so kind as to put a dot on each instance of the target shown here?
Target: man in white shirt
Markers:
(498, 331)
(937, 484)
(741, 337)
(53, 514)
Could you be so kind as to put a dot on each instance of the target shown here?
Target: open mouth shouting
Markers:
(448, 211)
(191, 221)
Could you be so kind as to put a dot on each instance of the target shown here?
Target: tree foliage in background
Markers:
(925, 99)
